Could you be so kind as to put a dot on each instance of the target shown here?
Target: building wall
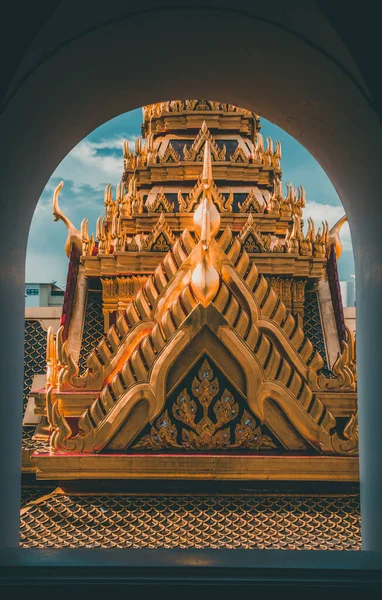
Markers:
(40, 294)
(348, 293)
(32, 295)
(46, 315)
(349, 314)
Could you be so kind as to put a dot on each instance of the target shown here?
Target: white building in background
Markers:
(348, 293)
(349, 303)
(43, 294)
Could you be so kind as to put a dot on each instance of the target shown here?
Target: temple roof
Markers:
(205, 282)
(248, 521)
(184, 334)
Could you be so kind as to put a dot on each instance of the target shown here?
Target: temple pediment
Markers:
(194, 346)
(206, 282)
(208, 413)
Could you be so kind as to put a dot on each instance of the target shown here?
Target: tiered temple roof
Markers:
(202, 335)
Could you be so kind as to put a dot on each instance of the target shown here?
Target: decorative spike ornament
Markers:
(207, 211)
(207, 166)
(205, 279)
(269, 149)
(126, 149)
(259, 143)
(74, 235)
(334, 236)
(85, 237)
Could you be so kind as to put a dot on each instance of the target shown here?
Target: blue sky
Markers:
(98, 160)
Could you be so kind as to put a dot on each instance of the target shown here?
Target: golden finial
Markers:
(301, 198)
(205, 279)
(126, 149)
(278, 151)
(334, 235)
(74, 235)
(207, 166)
(207, 216)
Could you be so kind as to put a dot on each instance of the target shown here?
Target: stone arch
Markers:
(339, 129)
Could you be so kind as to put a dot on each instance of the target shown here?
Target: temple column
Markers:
(369, 362)
(11, 377)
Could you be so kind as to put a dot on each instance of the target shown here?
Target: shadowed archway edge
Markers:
(211, 54)
(151, 11)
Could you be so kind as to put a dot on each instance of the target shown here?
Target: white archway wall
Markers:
(226, 56)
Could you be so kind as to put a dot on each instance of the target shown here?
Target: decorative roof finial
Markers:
(74, 235)
(207, 216)
(205, 279)
(334, 235)
(207, 166)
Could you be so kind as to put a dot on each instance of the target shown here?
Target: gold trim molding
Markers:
(117, 292)
(227, 467)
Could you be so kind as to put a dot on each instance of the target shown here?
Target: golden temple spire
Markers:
(207, 216)
(205, 278)
(207, 166)
(51, 358)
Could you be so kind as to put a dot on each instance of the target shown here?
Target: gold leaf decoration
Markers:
(248, 434)
(161, 436)
(203, 432)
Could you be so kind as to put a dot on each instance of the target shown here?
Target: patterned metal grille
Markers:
(30, 494)
(34, 364)
(287, 522)
(313, 327)
(93, 327)
(34, 354)
(28, 443)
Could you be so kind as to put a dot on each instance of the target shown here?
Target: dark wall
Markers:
(71, 66)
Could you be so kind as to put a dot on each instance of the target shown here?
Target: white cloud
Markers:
(321, 212)
(114, 143)
(85, 165)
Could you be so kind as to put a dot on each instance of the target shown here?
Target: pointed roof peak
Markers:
(207, 165)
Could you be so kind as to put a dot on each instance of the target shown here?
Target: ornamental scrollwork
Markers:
(348, 442)
(343, 369)
(208, 417)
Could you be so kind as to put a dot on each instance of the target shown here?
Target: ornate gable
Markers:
(196, 151)
(207, 414)
(251, 204)
(239, 156)
(251, 238)
(161, 239)
(170, 155)
(161, 204)
(188, 204)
